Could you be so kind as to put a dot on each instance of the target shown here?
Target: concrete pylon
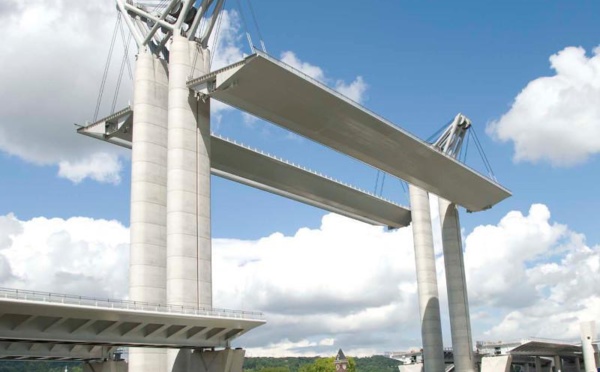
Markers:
(147, 265)
(429, 303)
(588, 334)
(189, 255)
(458, 302)
(227, 360)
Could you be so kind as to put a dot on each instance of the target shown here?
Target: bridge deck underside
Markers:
(32, 323)
(244, 165)
(274, 91)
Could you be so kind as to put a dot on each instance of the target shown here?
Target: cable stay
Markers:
(382, 183)
(120, 78)
(107, 66)
(483, 156)
(376, 182)
(245, 25)
(431, 139)
(451, 140)
(262, 43)
(216, 38)
(463, 154)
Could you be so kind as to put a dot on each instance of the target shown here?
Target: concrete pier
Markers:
(189, 261)
(588, 334)
(429, 303)
(458, 302)
(147, 265)
(189, 277)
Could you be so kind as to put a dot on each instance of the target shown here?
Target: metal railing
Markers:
(107, 303)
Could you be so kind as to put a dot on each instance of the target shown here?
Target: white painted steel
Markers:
(147, 266)
(458, 302)
(189, 277)
(429, 304)
(588, 335)
(276, 92)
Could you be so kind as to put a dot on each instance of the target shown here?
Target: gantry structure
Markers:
(174, 154)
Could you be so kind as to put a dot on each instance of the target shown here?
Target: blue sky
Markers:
(414, 63)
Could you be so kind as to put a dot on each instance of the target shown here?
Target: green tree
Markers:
(326, 365)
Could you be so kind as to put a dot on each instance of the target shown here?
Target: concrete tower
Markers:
(429, 303)
(147, 275)
(170, 195)
(450, 143)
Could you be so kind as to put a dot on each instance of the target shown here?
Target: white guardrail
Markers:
(46, 297)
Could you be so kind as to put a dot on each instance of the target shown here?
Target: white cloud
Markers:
(78, 256)
(313, 71)
(229, 40)
(354, 90)
(536, 277)
(101, 167)
(52, 63)
(556, 118)
(344, 284)
(496, 256)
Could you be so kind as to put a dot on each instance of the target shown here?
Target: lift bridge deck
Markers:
(38, 325)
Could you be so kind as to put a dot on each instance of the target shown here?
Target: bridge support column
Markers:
(189, 256)
(538, 364)
(147, 265)
(588, 334)
(108, 366)
(227, 360)
(429, 303)
(458, 302)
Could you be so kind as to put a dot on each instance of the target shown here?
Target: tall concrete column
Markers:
(588, 334)
(147, 265)
(538, 364)
(458, 302)
(189, 255)
(429, 303)
(557, 363)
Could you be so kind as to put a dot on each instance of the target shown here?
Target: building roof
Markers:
(340, 356)
(546, 348)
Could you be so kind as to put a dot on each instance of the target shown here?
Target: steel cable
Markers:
(107, 66)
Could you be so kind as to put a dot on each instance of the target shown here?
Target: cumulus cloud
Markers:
(343, 284)
(556, 118)
(78, 255)
(53, 58)
(313, 71)
(531, 277)
(228, 40)
(100, 166)
(53, 62)
(342, 281)
(354, 90)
